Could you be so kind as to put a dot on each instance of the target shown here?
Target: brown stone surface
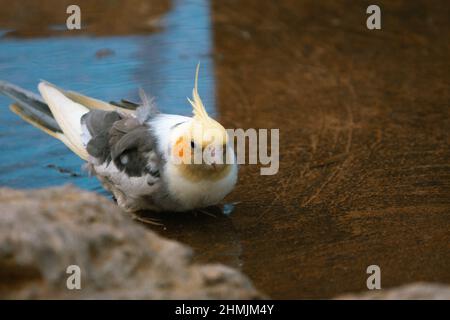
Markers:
(364, 124)
(42, 232)
(39, 18)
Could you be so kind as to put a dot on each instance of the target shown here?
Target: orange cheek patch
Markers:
(179, 146)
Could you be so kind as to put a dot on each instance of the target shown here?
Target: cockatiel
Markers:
(145, 158)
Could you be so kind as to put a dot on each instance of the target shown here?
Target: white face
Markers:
(203, 146)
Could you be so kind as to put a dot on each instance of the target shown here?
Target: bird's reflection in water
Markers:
(210, 232)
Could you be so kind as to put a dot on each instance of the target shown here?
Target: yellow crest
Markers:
(204, 129)
(197, 105)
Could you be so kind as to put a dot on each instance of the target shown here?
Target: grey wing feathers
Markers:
(126, 104)
(99, 123)
(123, 140)
(134, 153)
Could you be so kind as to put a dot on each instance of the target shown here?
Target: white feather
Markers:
(67, 114)
(163, 127)
(191, 195)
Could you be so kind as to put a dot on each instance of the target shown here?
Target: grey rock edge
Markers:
(42, 232)
(414, 291)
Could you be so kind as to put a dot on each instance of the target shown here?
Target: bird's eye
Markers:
(192, 144)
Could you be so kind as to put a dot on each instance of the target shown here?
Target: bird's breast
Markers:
(198, 193)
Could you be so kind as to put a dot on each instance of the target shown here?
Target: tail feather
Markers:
(56, 114)
(31, 105)
(67, 114)
(31, 118)
(36, 122)
(93, 103)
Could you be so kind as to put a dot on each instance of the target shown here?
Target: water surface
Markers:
(109, 68)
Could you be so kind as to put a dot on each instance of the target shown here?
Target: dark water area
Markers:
(363, 118)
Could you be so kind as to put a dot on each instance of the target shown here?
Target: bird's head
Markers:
(201, 144)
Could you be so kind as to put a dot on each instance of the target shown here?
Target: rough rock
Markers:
(413, 291)
(42, 232)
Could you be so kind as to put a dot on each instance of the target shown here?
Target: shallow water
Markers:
(363, 118)
(109, 68)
